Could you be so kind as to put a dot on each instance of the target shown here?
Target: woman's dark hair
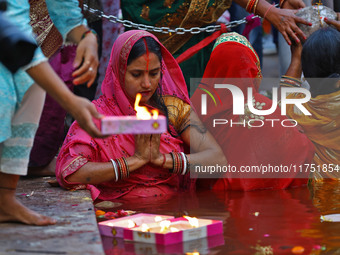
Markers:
(139, 49)
(321, 59)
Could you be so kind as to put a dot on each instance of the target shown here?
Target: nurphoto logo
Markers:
(239, 106)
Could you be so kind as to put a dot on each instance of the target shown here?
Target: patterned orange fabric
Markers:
(323, 129)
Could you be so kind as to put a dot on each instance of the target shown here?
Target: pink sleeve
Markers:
(77, 150)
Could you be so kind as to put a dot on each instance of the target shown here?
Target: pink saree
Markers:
(79, 148)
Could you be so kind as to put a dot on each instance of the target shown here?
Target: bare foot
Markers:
(11, 210)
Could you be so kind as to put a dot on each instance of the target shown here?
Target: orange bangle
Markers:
(264, 16)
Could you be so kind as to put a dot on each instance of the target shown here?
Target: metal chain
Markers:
(164, 30)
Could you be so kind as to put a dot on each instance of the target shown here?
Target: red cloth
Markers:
(79, 148)
(197, 47)
(233, 57)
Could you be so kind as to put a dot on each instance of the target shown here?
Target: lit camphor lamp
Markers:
(192, 253)
(167, 226)
(123, 224)
(145, 227)
(143, 123)
(131, 224)
(193, 221)
(158, 218)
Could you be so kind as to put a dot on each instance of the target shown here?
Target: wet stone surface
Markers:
(76, 231)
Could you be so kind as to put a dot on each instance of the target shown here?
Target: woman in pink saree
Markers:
(127, 166)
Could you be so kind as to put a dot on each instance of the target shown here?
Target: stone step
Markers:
(76, 231)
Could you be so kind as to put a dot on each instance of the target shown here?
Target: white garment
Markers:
(14, 152)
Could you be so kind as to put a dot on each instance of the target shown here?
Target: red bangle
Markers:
(250, 5)
(264, 16)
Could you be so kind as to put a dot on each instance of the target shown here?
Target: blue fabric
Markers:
(16, 150)
(18, 13)
(14, 86)
(24, 133)
(12, 89)
(66, 14)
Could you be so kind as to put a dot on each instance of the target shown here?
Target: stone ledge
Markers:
(76, 231)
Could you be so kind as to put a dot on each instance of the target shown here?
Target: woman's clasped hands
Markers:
(147, 149)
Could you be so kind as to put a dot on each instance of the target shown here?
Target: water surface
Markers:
(256, 222)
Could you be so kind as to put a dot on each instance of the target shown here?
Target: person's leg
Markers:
(14, 154)
(11, 210)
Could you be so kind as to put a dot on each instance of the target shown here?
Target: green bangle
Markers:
(88, 32)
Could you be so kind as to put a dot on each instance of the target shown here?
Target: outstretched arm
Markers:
(80, 108)
(295, 69)
(292, 78)
(283, 19)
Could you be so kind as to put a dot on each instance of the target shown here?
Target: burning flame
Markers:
(131, 224)
(165, 224)
(192, 253)
(173, 229)
(154, 114)
(193, 221)
(158, 218)
(142, 111)
(145, 227)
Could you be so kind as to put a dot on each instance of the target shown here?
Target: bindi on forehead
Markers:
(147, 57)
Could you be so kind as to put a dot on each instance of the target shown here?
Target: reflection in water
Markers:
(256, 222)
(326, 198)
(203, 246)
